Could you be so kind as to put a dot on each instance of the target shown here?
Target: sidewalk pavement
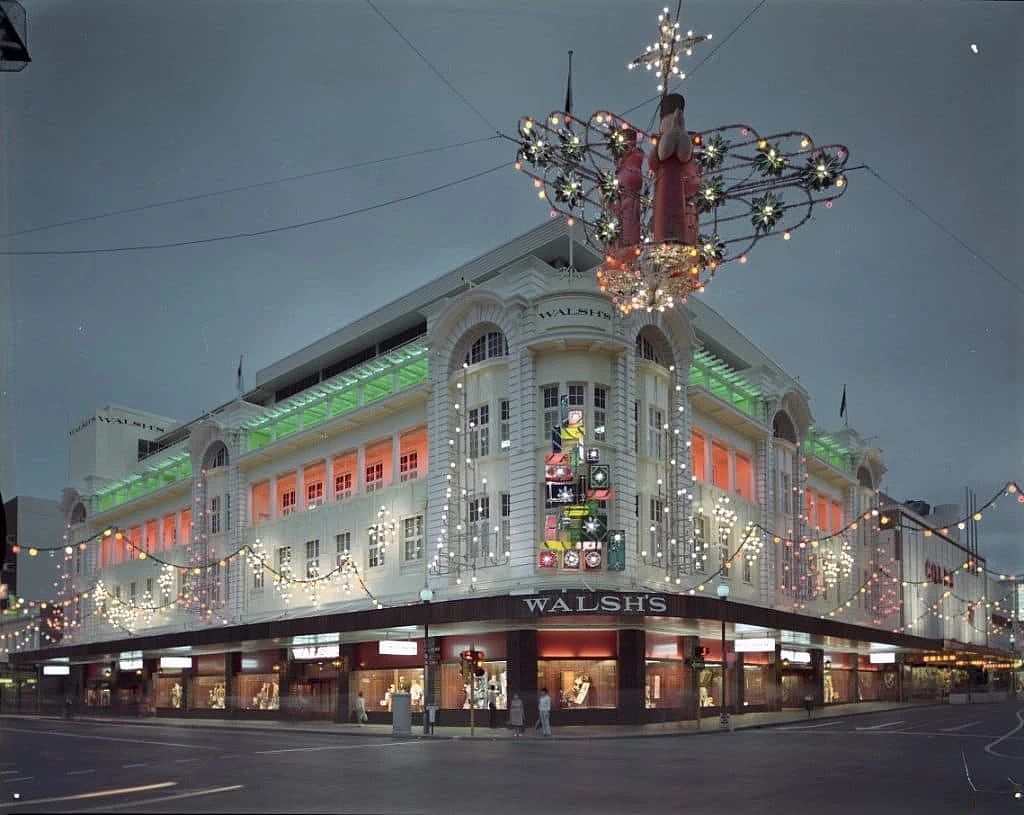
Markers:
(709, 724)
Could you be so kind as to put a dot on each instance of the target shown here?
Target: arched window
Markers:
(782, 427)
(864, 478)
(487, 346)
(216, 456)
(645, 350)
(78, 514)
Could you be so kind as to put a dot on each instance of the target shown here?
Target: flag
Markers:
(240, 386)
(842, 404)
(568, 88)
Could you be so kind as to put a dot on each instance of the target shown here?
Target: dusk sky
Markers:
(131, 103)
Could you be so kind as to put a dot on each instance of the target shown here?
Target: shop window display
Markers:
(709, 686)
(455, 691)
(755, 685)
(257, 692)
(580, 683)
(169, 692)
(378, 687)
(207, 693)
(664, 685)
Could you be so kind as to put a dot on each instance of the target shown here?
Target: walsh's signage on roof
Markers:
(596, 603)
(574, 310)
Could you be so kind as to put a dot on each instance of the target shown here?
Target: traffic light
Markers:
(478, 663)
(466, 659)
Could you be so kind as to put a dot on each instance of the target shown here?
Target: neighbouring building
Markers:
(498, 462)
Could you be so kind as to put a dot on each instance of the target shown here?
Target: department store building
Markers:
(611, 507)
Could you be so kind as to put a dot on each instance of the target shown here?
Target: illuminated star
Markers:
(663, 55)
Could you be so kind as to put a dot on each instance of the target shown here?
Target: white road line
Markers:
(958, 727)
(232, 755)
(333, 747)
(9, 772)
(79, 772)
(108, 738)
(990, 747)
(130, 766)
(184, 760)
(810, 726)
(13, 780)
(884, 724)
(178, 797)
(24, 802)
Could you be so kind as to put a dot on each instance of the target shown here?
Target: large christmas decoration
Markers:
(666, 210)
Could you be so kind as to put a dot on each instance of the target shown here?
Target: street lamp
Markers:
(723, 594)
(426, 595)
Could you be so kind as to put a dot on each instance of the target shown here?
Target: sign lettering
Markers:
(594, 603)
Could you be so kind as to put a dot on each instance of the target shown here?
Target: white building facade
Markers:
(497, 462)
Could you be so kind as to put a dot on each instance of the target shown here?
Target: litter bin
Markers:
(401, 714)
(809, 703)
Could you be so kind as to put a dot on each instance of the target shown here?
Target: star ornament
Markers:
(662, 56)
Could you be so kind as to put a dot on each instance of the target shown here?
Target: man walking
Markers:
(544, 708)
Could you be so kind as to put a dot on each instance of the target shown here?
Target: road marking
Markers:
(989, 748)
(130, 766)
(810, 726)
(12, 780)
(184, 760)
(333, 747)
(107, 738)
(79, 772)
(85, 795)
(9, 772)
(178, 797)
(884, 724)
(232, 755)
(958, 727)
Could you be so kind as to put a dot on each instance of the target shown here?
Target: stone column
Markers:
(396, 451)
(522, 668)
(817, 677)
(232, 667)
(329, 479)
(691, 651)
(632, 676)
(345, 702)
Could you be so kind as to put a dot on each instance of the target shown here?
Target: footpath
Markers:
(710, 724)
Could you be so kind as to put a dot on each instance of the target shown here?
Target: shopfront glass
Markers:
(580, 683)
(315, 691)
(169, 691)
(709, 685)
(257, 691)
(756, 679)
(455, 691)
(664, 685)
(207, 693)
(377, 687)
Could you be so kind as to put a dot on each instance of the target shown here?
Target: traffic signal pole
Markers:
(472, 689)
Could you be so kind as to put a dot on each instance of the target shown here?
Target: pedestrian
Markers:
(360, 709)
(544, 708)
(516, 714)
(492, 706)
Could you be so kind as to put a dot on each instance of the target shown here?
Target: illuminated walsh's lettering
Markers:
(592, 603)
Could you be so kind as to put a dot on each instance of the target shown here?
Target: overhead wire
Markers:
(244, 187)
(259, 232)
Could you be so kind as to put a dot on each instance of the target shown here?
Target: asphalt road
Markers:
(910, 760)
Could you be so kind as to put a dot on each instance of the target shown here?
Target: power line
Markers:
(261, 232)
(244, 187)
(430, 65)
(943, 228)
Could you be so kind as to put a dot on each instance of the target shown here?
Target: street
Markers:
(910, 759)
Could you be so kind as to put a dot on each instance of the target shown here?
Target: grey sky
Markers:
(133, 102)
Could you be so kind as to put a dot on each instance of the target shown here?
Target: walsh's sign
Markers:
(575, 310)
(597, 603)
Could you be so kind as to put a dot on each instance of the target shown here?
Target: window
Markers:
(257, 579)
(698, 456)
(744, 477)
(600, 412)
(636, 427)
(837, 516)
(552, 414)
(215, 515)
(408, 466)
(149, 587)
(724, 544)
(288, 502)
(412, 538)
(787, 493)
(655, 433)
(117, 592)
(700, 537)
(131, 593)
(342, 548)
(479, 529)
(227, 511)
(374, 476)
(284, 560)
(342, 486)
(747, 571)
(577, 396)
(506, 520)
(506, 424)
(220, 459)
(479, 432)
(315, 493)
(490, 345)
(312, 558)
(215, 583)
(720, 465)
(645, 350)
(657, 517)
(375, 548)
